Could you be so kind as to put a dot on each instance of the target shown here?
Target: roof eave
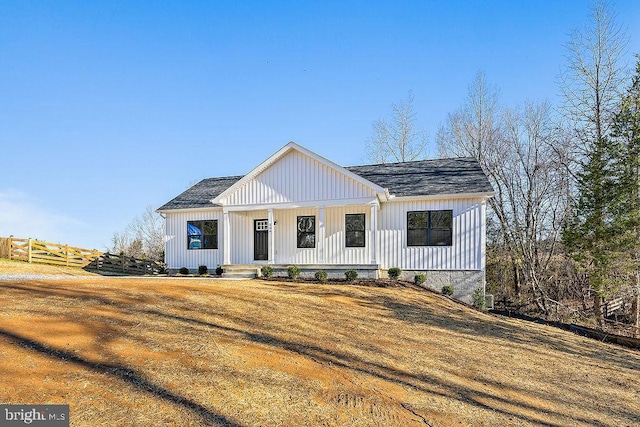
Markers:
(486, 194)
(200, 209)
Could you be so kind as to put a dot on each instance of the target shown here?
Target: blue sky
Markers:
(107, 107)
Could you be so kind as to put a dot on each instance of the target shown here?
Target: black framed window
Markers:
(202, 234)
(429, 228)
(306, 226)
(355, 232)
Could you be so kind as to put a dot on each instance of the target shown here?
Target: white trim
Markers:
(320, 234)
(187, 210)
(295, 205)
(483, 240)
(226, 238)
(441, 196)
(373, 221)
(271, 240)
(279, 154)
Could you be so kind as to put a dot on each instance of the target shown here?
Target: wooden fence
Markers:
(612, 306)
(31, 250)
(107, 262)
(36, 251)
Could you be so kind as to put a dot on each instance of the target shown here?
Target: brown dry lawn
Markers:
(19, 267)
(126, 351)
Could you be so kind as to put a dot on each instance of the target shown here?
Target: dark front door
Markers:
(260, 239)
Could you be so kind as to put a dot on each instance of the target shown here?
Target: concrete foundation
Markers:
(464, 282)
(333, 271)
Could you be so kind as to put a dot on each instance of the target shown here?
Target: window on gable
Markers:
(429, 228)
(202, 234)
(355, 232)
(306, 226)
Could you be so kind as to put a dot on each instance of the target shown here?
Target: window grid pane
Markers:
(202, 234)
(430, 228)
(440, 237)
(306, 231)
(417, 220)
(355, 239)
(417, 237)
(355, 230)
(440, 219)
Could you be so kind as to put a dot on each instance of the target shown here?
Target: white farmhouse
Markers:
(298, 208)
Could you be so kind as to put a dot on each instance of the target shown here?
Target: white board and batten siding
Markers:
(330, 239)
(297, 177)
(176, 253)
(335, 248)
(465, 253)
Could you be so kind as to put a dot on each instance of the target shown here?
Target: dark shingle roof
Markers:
(418, 178)
(200, 195)
(427, 177)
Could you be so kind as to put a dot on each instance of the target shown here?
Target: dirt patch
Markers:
(250, 353)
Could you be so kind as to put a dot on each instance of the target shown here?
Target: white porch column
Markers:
(272, 244)
(483, 243)
(320, 241)
(226, 237)
(374, 229)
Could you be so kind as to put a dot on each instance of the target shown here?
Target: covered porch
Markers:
(338, 236)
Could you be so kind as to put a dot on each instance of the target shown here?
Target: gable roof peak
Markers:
(291, 145)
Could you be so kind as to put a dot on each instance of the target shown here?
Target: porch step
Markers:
(239, 275)
(241, 271)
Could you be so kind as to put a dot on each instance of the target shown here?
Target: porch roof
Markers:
(418, 178)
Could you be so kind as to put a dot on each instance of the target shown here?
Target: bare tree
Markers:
(519, 151)
(474, 131)
(397, 139)
(532, 189)
(591, 85)
(120, 242)
(591, 81)
(474, 128)
(142, 238)
(149, 229)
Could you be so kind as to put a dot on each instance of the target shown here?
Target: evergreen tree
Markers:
(591, 84)
(592, 235)
(626, 130)
(603, 235)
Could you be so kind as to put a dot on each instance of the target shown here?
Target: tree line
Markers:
(563, 229)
